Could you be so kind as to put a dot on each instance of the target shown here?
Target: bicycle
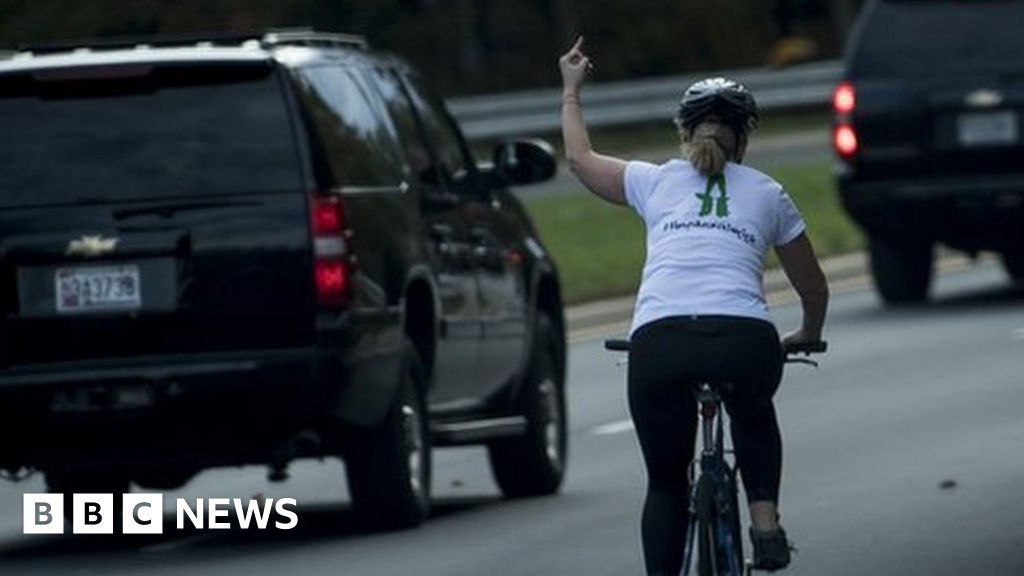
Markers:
(714, 507)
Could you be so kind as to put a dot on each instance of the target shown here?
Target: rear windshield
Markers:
(127, 133)
(942, 37)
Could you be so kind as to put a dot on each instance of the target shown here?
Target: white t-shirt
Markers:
(707, 238)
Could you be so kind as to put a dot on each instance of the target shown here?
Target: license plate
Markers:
(987, 128)
(98, 289)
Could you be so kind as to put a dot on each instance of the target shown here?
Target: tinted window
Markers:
(159, 133)
(451, 155)
(945, 37)
(404, 119)
(357, 145)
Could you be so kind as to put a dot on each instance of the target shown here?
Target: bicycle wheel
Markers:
(733, 520)
(707, 559)
(712, 554)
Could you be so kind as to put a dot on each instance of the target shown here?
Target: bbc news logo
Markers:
(144, 513)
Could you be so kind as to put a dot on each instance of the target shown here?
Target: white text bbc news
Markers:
(144, 514)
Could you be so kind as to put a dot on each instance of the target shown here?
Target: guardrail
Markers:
(635, 101)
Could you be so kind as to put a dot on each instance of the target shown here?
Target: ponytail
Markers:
(709, 147)
(707, 156)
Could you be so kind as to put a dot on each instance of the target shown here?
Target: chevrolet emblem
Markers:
(92, 246)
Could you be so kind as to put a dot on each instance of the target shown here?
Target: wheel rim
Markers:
(414, 448)
(551, 408)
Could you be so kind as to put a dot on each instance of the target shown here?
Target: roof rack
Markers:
(310, 37)
(268, 38)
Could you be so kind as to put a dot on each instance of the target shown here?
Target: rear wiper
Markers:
(169, 209)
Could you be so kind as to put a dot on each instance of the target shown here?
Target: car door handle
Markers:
(444, 236)
(481, 235)
(486, 249)
(441, 232)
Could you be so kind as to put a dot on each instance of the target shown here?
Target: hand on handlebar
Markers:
(801, 341)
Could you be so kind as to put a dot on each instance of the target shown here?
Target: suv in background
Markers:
(929, 135)
(230, 250)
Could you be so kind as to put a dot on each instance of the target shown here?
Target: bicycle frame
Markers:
(712, 464)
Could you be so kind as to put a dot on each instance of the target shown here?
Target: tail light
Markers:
(844, 100)
(332, 251)
(845, 140)
(844, 135)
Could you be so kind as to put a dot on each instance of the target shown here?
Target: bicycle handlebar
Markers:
(818, 347)
(616, 345)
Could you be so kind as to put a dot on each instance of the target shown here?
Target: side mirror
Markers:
(525, 161)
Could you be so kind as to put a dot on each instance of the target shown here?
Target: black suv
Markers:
(930, 135)
(248, 249)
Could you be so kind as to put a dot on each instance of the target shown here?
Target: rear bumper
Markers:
(978, 212)
(189, 412)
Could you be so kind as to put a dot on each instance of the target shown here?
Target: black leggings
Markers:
(667, 358)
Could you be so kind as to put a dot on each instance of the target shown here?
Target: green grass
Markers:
(813, 188)
(662, 135)
(599, 247)
(627, 140)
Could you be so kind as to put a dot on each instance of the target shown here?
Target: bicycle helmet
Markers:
(727, 99)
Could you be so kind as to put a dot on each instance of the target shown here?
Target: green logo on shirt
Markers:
(709, 202)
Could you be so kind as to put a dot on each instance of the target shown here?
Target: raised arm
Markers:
(804, 272)
(602, 175)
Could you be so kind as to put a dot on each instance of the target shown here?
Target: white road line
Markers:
(612, 428)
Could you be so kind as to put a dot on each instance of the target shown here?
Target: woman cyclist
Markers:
(701, 313)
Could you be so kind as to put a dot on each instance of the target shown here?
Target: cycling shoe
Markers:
(771, 549)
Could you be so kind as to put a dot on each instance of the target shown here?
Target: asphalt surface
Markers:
(903, 456)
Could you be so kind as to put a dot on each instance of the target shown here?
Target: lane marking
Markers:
(618, 427)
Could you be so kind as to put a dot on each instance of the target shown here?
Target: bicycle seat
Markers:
(717, 386)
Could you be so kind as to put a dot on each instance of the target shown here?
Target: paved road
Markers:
(907, 402)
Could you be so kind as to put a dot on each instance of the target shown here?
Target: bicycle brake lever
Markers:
(806, 361)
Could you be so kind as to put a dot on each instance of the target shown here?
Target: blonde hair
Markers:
(709, 146)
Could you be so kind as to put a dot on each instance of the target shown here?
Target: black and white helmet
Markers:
(727, 99)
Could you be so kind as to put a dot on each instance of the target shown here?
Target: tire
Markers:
(734, 519)
(711, 558)
(534, 464)
(1013, 263)
(902, 269)
(389, 468)
(707, 559)
(71, 482)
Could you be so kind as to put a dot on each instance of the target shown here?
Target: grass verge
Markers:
(661, 135)
(599, 247)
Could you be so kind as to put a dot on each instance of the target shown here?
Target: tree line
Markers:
(473, 46)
